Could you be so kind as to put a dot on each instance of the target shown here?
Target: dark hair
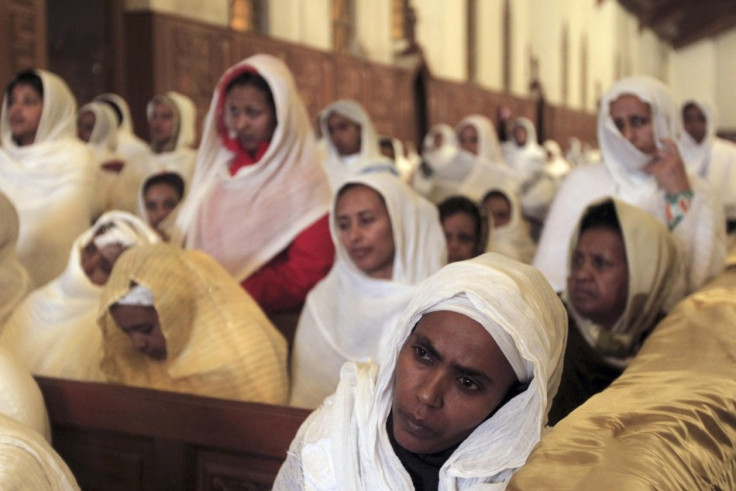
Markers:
(496, 193)
(351, 185)
(26, 77)
(255, 80)
(461, 204)
(601, 215)
(115, 108)
(172, 179)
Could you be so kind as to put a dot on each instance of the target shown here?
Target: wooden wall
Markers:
(172, 53)
(22, 36)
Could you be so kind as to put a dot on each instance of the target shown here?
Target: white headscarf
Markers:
(49, 182)
(339, 167)
(696, 155)
(622, 159)
(129, 145)
(181, 157)
(165, 226)
(15, 283)
(489, 150)
(54, 332)
(655, 283)
(514, 239)
(245, 220)
(345, 445)
(348, 315)
(557, 166)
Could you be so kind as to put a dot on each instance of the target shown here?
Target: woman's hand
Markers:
(668, 169)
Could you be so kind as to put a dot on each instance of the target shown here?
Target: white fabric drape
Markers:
(15, 283)
(54, 332)
(20, 397)
(348, 315)
(245, 220)
(49, 182)
(339, 167)
(700, 236)
(344, 444)
(129, 145)
(713, 159)
(182, 157)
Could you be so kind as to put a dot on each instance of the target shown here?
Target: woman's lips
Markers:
(359, 252)
(416, 427)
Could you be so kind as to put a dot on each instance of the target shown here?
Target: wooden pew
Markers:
(116, 437)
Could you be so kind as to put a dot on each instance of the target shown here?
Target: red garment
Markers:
(283, 282)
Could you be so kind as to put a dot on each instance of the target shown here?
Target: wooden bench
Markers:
(116, 437)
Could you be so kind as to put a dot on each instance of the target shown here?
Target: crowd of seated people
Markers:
(155, 264)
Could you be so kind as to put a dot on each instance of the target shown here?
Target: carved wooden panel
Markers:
(314, 78)
(22, 36)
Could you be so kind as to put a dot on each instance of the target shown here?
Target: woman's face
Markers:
(97, 263)
(598, 285)
(460, 236)
(141, 324)
(160, 200)
(344, 133)
(450, 376)
(520, 136)
(364, 228)
(633, 118)
(499, 208)
(694, 122)
(85, 125)
(468, 139)
(25, 106)
(250, 115)
(161, 124)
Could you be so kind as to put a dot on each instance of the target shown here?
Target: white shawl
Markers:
(245, 220)
(129, 145)
(54, 330)
(348, 315)
(340, 167)
(489, 150)
(344, 444)
(20, 397)
(713, 159)
(14, 280)
(182, 157)
(700, 236)
(27, 461)
(49, 182)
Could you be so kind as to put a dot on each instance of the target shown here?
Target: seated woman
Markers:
(15, 283)
(461, 399)
(172, 118)
(175, 320)
(54, 332)
(511, 231)
(259, 199)
(388, 239)
(624, 275)
(45, 171)
(352, 142)
(466, 228)
(160, 197)
(637, 125)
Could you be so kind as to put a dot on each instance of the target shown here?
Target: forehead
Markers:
(601, 238)
(359, 196)
(460, 219)
(161, 187)
(130, 315)
(628, 104)
(24, 89)
(338, 119)
(163, 107)
(469, 131)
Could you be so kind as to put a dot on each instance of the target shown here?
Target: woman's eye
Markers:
(421, 353)
(638, 121)
(468, 384)
(367, 220)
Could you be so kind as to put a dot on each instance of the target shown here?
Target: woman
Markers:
(15, 283)
(45, 171)
(259, 198)
(477, 135)
(637, 128)
(461, 398)
(511, 231)
(466, 228)
(624, 275)
(352, 142)
(175, 320)
(172, 118)
(439, 148)
(160, 199)
(388, 239)
(53, 332)
(706, 155)
(130, 146)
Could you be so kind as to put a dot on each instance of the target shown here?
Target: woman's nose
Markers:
(139, 341)
(431, 390)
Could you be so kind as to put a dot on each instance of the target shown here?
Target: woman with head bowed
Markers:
(172, 119)
(461, 397)
(259, 198)
(624, 276)
(175, 320)
(637, 130)
(388, 239)
(54, 332)
(45, 171)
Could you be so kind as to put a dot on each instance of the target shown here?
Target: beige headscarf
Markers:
(14, 280)
(345, 445)
(655, 283)
(245, 220)
(219, 343)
